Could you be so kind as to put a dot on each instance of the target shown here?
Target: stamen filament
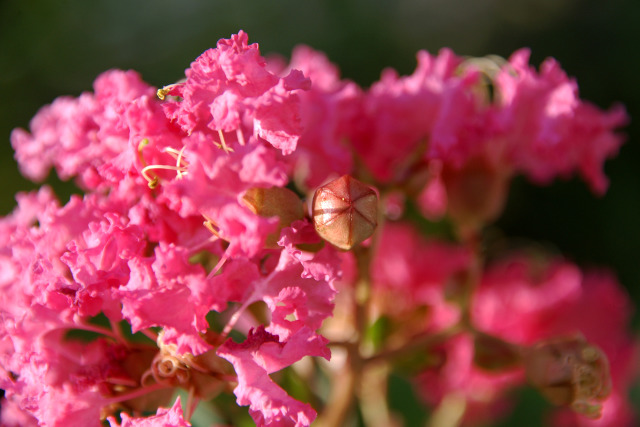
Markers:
(99, 330)
(122, 381)
(240, 137)
(136, 393)
(150, 334)
(235, 317)
(218, 266)
(192, 403)
(153, 182)
(223, 144)
(179, 161)
(210, 225)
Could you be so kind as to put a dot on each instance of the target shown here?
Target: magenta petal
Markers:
(165, 417)
(269, 405)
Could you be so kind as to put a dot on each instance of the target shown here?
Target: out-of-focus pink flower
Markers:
(517, 299)
(408, 272)
(13, 416)
(434, 113)
(524, 301)
(549, 131)
(455, 376)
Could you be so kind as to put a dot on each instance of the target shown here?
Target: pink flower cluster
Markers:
(165, 274)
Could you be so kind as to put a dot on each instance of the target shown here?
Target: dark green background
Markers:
(53, 48)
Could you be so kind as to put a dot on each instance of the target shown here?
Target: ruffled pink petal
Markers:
(165, 417)
(269, 405)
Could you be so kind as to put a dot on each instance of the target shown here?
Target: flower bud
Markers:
(345, 212)
(476, 193)
(570, 372)
(275, 201)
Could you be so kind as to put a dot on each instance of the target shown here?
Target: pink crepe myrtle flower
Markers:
(433, 113)
(549, 130)
(409, 272)
(328, 110)
(76, 136)
(524, 301)
(172, 241)
(230, 90)
(456, 377)
(261, 354)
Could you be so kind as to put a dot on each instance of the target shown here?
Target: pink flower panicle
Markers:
(194, 234)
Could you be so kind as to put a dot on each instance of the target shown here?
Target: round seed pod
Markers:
(345, 212)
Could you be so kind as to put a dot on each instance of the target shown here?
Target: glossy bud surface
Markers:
(345, 212)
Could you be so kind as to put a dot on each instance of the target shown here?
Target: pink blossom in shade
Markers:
(165, 417)
(602, 314)
(432, 200)
(434, 113)
(519, 299)
(408, 272)
(159, 293)
(229, 88)
(260, 354)
(34, 280)
(78, 135)
(458, 377)
(524, 301)
(550, 131)
(61, 382)
(327, 111)
(233, 284)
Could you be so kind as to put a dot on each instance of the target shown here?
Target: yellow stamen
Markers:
(211, 226)
(162, 93)
(153, 182)
(222, 144)
(141, 146)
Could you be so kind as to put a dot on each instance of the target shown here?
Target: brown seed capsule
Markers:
(570, 372)
(345, 212)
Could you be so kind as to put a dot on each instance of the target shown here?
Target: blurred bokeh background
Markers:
(53, 48)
